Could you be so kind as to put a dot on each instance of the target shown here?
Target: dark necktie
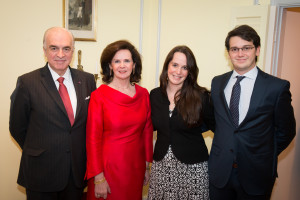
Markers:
(66, 99)
(235, 99)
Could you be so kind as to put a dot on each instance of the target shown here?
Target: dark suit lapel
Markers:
(224, 83)
(77, 81)
(259, 90)
(47, 81)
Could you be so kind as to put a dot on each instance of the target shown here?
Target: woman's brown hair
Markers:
(110, 51)
(189, 98)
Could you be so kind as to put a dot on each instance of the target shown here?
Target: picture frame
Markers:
(80, 17)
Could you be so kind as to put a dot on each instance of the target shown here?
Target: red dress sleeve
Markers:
(94, 132)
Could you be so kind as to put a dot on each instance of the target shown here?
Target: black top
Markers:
(187, 143)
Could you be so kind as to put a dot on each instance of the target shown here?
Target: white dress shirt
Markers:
(247, 85)
(68, 82)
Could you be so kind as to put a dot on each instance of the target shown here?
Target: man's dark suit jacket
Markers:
(266, 131)
(52, 149)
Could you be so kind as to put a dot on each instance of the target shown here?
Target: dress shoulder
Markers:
(99, 91)
(140, 88)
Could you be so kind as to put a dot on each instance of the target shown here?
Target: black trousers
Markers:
(233, 191)
(70, 192)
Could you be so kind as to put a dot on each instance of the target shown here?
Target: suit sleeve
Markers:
(19, 113)
(94, 134)
(93, 82)
(285, 125)
(208, 113)
(148, 133)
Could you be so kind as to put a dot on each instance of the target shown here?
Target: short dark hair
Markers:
(246, 33)
(110, 51)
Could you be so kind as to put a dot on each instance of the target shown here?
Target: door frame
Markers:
(275, 25)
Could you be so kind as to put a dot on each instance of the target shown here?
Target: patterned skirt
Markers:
(171, 179)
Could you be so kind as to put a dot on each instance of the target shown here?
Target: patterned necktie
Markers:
(66, 99)
(235, 100)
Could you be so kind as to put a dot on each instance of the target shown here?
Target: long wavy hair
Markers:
(189, 98)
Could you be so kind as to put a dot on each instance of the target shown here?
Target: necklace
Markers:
(170, 113)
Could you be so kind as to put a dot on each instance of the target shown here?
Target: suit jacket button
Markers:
(231, 150)
(236, 131)
(68, 151)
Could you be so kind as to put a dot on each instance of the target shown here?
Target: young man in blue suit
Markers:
(254, 123)
(48, 120)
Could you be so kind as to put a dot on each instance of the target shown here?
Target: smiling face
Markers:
(58, 49)
(122, 65)
(177, 69)
(242, 61)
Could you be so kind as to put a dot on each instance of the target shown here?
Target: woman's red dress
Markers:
(119, 141)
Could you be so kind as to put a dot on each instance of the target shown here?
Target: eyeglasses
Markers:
(244, 49)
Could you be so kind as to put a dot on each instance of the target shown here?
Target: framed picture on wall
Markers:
(80, 17)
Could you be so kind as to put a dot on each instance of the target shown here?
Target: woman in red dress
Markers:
(119, 128)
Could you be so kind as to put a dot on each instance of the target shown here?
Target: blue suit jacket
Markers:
(268, 128)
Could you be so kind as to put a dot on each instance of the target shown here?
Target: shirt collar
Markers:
(55, 76)
(251, 74)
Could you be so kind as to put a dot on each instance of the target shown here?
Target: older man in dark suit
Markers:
(48, 120)
(254, 123)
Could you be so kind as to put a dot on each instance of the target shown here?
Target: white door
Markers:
(257, 17)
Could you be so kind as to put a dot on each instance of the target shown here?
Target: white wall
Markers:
(200, 24)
